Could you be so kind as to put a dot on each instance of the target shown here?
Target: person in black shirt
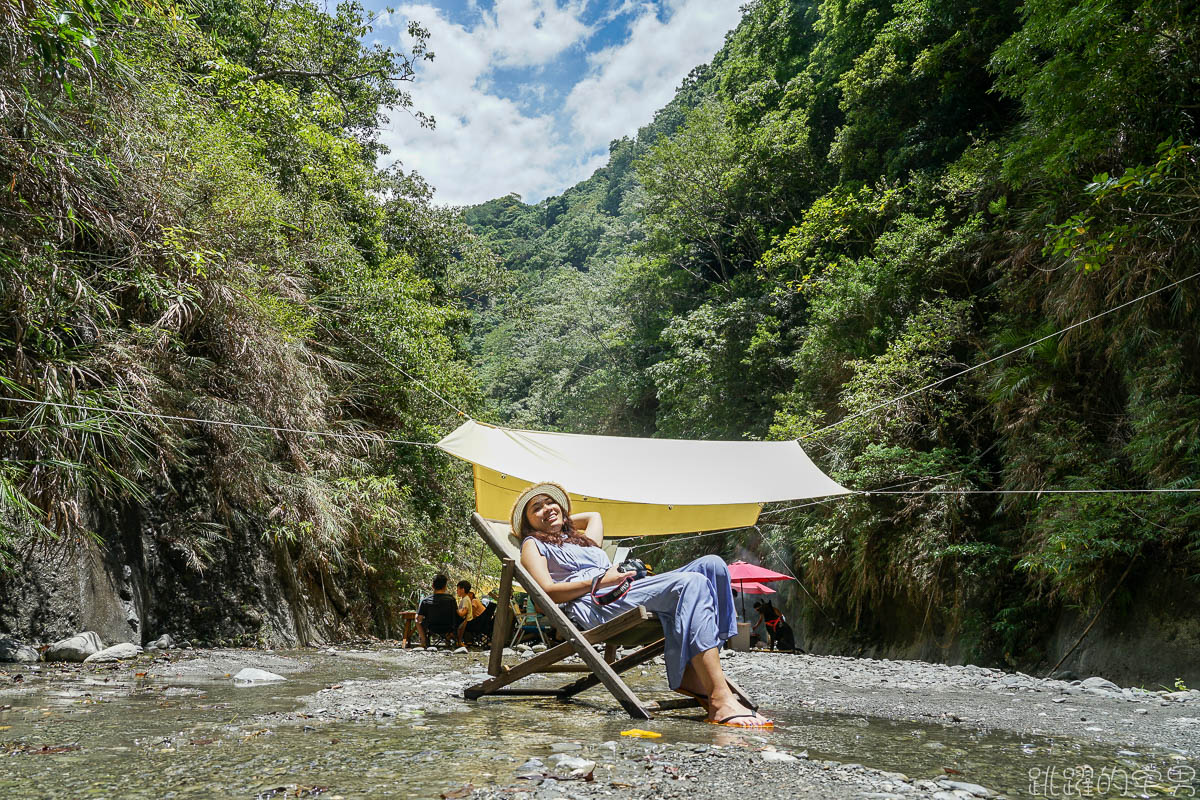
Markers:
(438, 613)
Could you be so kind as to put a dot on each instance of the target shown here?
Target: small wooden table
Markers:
(410, 624)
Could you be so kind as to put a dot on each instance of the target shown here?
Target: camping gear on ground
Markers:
(529, 621)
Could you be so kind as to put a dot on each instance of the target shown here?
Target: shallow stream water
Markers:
(111, 734)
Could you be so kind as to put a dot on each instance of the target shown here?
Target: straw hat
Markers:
(556, 493)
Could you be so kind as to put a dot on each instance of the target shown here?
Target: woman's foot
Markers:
(699, 696)
(735, 715)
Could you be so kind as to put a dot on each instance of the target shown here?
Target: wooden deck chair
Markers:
(635, 628)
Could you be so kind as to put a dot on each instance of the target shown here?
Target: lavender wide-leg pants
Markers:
(694, 603)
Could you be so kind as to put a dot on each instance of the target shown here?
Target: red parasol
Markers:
(743, 576)
(741, 571)
(754, 587)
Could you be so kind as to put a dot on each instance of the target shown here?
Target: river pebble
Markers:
(970, 788)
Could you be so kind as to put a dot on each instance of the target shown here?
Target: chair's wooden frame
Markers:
(635, 628)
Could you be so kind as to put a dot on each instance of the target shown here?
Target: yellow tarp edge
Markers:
(495, 493)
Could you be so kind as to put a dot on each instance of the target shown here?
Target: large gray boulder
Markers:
(74, 648)
(12, 651)
(117, 652)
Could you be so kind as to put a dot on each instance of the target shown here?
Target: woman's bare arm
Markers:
(589, 524)
(566, 591)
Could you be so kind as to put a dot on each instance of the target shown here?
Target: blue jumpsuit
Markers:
(694, 602)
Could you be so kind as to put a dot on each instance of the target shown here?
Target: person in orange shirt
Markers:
(466, 607)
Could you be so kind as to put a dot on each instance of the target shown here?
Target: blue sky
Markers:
(528, 93)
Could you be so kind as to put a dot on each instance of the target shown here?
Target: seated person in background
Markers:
(480, 626)
(466, 608)
(437, 612)
(777, 628)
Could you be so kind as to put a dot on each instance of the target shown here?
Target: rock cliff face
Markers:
(133, 585)
(1148, 635)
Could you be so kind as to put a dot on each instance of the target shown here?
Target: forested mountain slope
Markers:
(192, 224)
(860, 198)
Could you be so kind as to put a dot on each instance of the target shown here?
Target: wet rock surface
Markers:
(74, 648)
(372, 720)
(118, 652)
(971, 697)
(255, 675)
(164, 642)
(14, 652)
(735, 769)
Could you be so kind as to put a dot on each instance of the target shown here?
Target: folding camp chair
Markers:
(441, 621)
(479, 629)
(634, 628)
(529, 620)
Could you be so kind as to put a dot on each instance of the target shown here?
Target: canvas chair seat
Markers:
(637, 628)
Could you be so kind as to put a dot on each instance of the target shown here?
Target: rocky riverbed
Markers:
(375, 720)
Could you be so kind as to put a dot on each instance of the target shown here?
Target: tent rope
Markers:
(359, 438)
(1034, 491)
(787, 568)
(677, 538)
(368, 439)
(403, 372)
(960, 373)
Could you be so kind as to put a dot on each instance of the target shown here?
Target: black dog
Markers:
(781, 634)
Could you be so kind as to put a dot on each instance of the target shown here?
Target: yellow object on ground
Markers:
(641, 734)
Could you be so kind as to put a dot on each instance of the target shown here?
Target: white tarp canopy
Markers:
(610, 470)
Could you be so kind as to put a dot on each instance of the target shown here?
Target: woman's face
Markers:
(544, 514)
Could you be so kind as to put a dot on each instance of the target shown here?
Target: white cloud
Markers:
(486, 146)
(632, 80)
(526, 33)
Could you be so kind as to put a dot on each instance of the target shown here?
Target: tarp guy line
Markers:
(858, 414)
(361, 438)
(403, 372)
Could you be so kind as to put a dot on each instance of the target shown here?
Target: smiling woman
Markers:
(546, 85)
(694, 603)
